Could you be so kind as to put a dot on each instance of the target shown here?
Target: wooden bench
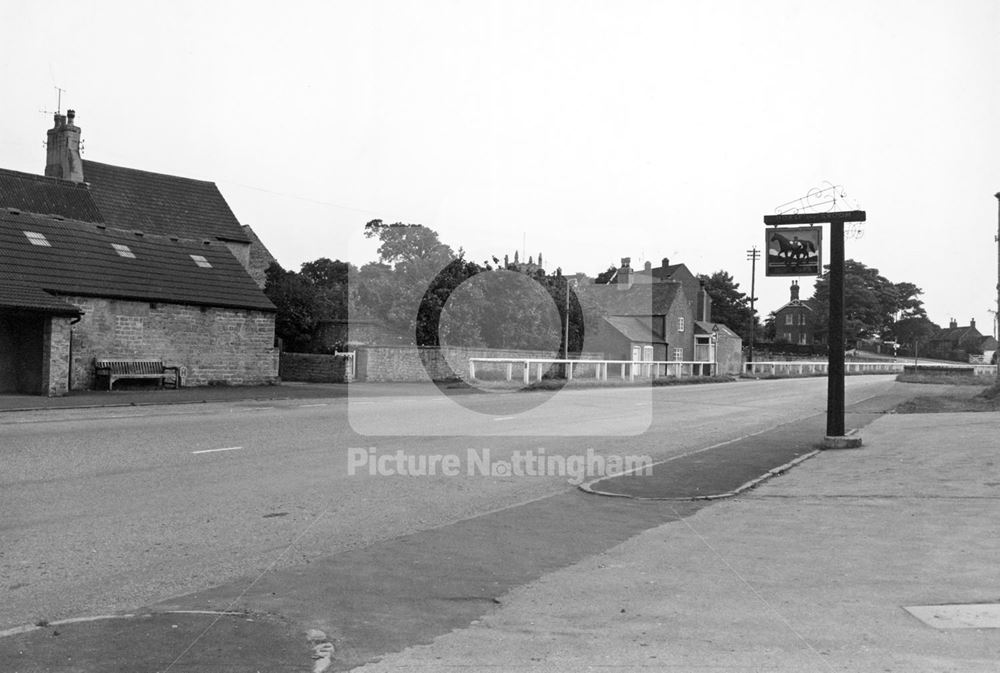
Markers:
(113, 370)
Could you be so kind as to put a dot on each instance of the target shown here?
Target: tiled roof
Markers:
(638, 300)
(795, 303)
(21, 296)
(166, 205)
(47, 196)
(955, 335)
(703, 327)
(80, 260)
(634, 329)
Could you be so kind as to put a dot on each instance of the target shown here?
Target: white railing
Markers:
(628, 370)
(804, 367)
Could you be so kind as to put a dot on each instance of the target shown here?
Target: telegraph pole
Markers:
(753, 254)
(997, 316)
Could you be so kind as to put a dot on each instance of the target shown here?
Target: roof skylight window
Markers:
(37, 239)
(123, 250)
(201, 261)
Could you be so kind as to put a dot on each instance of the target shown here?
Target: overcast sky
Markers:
(588, 131)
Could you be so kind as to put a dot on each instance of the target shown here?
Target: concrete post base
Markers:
(851, 440)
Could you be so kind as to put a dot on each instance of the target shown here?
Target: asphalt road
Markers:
(107, 510)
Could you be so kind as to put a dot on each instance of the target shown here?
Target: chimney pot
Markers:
(648, 265)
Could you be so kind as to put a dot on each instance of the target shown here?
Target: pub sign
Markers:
(794, 251)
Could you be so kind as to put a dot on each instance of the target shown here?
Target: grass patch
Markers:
(954, 398)
(946, 379)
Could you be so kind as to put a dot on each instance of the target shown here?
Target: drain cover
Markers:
(958, 616)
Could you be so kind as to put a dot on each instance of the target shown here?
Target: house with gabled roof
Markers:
(795, 321)
(964, 343)
(694, 288)
(98, 261)
(637, 321)
(648, 316)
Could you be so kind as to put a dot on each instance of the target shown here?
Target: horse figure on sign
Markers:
(794, 251)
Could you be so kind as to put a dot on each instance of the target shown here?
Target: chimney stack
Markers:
(953, 324)
(63, 149)
(625, 273)
(972, 323)
(795, 290)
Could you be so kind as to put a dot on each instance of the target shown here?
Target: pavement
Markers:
(881, 558)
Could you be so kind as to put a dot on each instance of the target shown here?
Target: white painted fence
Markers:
(803, 367)
(628, 370)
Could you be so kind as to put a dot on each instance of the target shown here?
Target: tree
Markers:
(913, 334)
(295, 298)
(872, 303)
(729, 306)
(331, 281)
(604, 277)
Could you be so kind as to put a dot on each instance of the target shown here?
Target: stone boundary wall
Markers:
(424, 364)
(315, 368)
(212, 346)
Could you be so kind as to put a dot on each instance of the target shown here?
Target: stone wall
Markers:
(55, 356)
(212, 346)
(729, 355)
(413, 363)
(315, 368)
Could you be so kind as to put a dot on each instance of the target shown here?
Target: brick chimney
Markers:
(63, 149)
(795, 290)
(624, 279)
(972, 323)
(953, 324)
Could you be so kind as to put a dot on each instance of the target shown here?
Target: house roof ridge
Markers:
(87, 162)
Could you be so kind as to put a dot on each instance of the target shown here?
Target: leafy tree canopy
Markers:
(729, 306)
(872, 304)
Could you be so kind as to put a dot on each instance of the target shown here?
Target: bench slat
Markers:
(134, 369)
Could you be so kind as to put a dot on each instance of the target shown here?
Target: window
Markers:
(680, 324)
(678, 353)
(201, 261)
(802, 318)
(802, 338)
(788, 337)
(123, 250)
(789, 319)
(37, 239)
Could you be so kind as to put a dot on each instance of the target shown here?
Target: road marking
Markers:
(304, 406)
(228, 448)
(505, 418)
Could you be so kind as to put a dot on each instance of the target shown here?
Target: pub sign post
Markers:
(835, 436)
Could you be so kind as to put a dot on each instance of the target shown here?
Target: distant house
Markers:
(99, 261)
(648, 317)
(963, 343)
(795, 322)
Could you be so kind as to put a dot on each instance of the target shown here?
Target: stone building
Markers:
(100, 261)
